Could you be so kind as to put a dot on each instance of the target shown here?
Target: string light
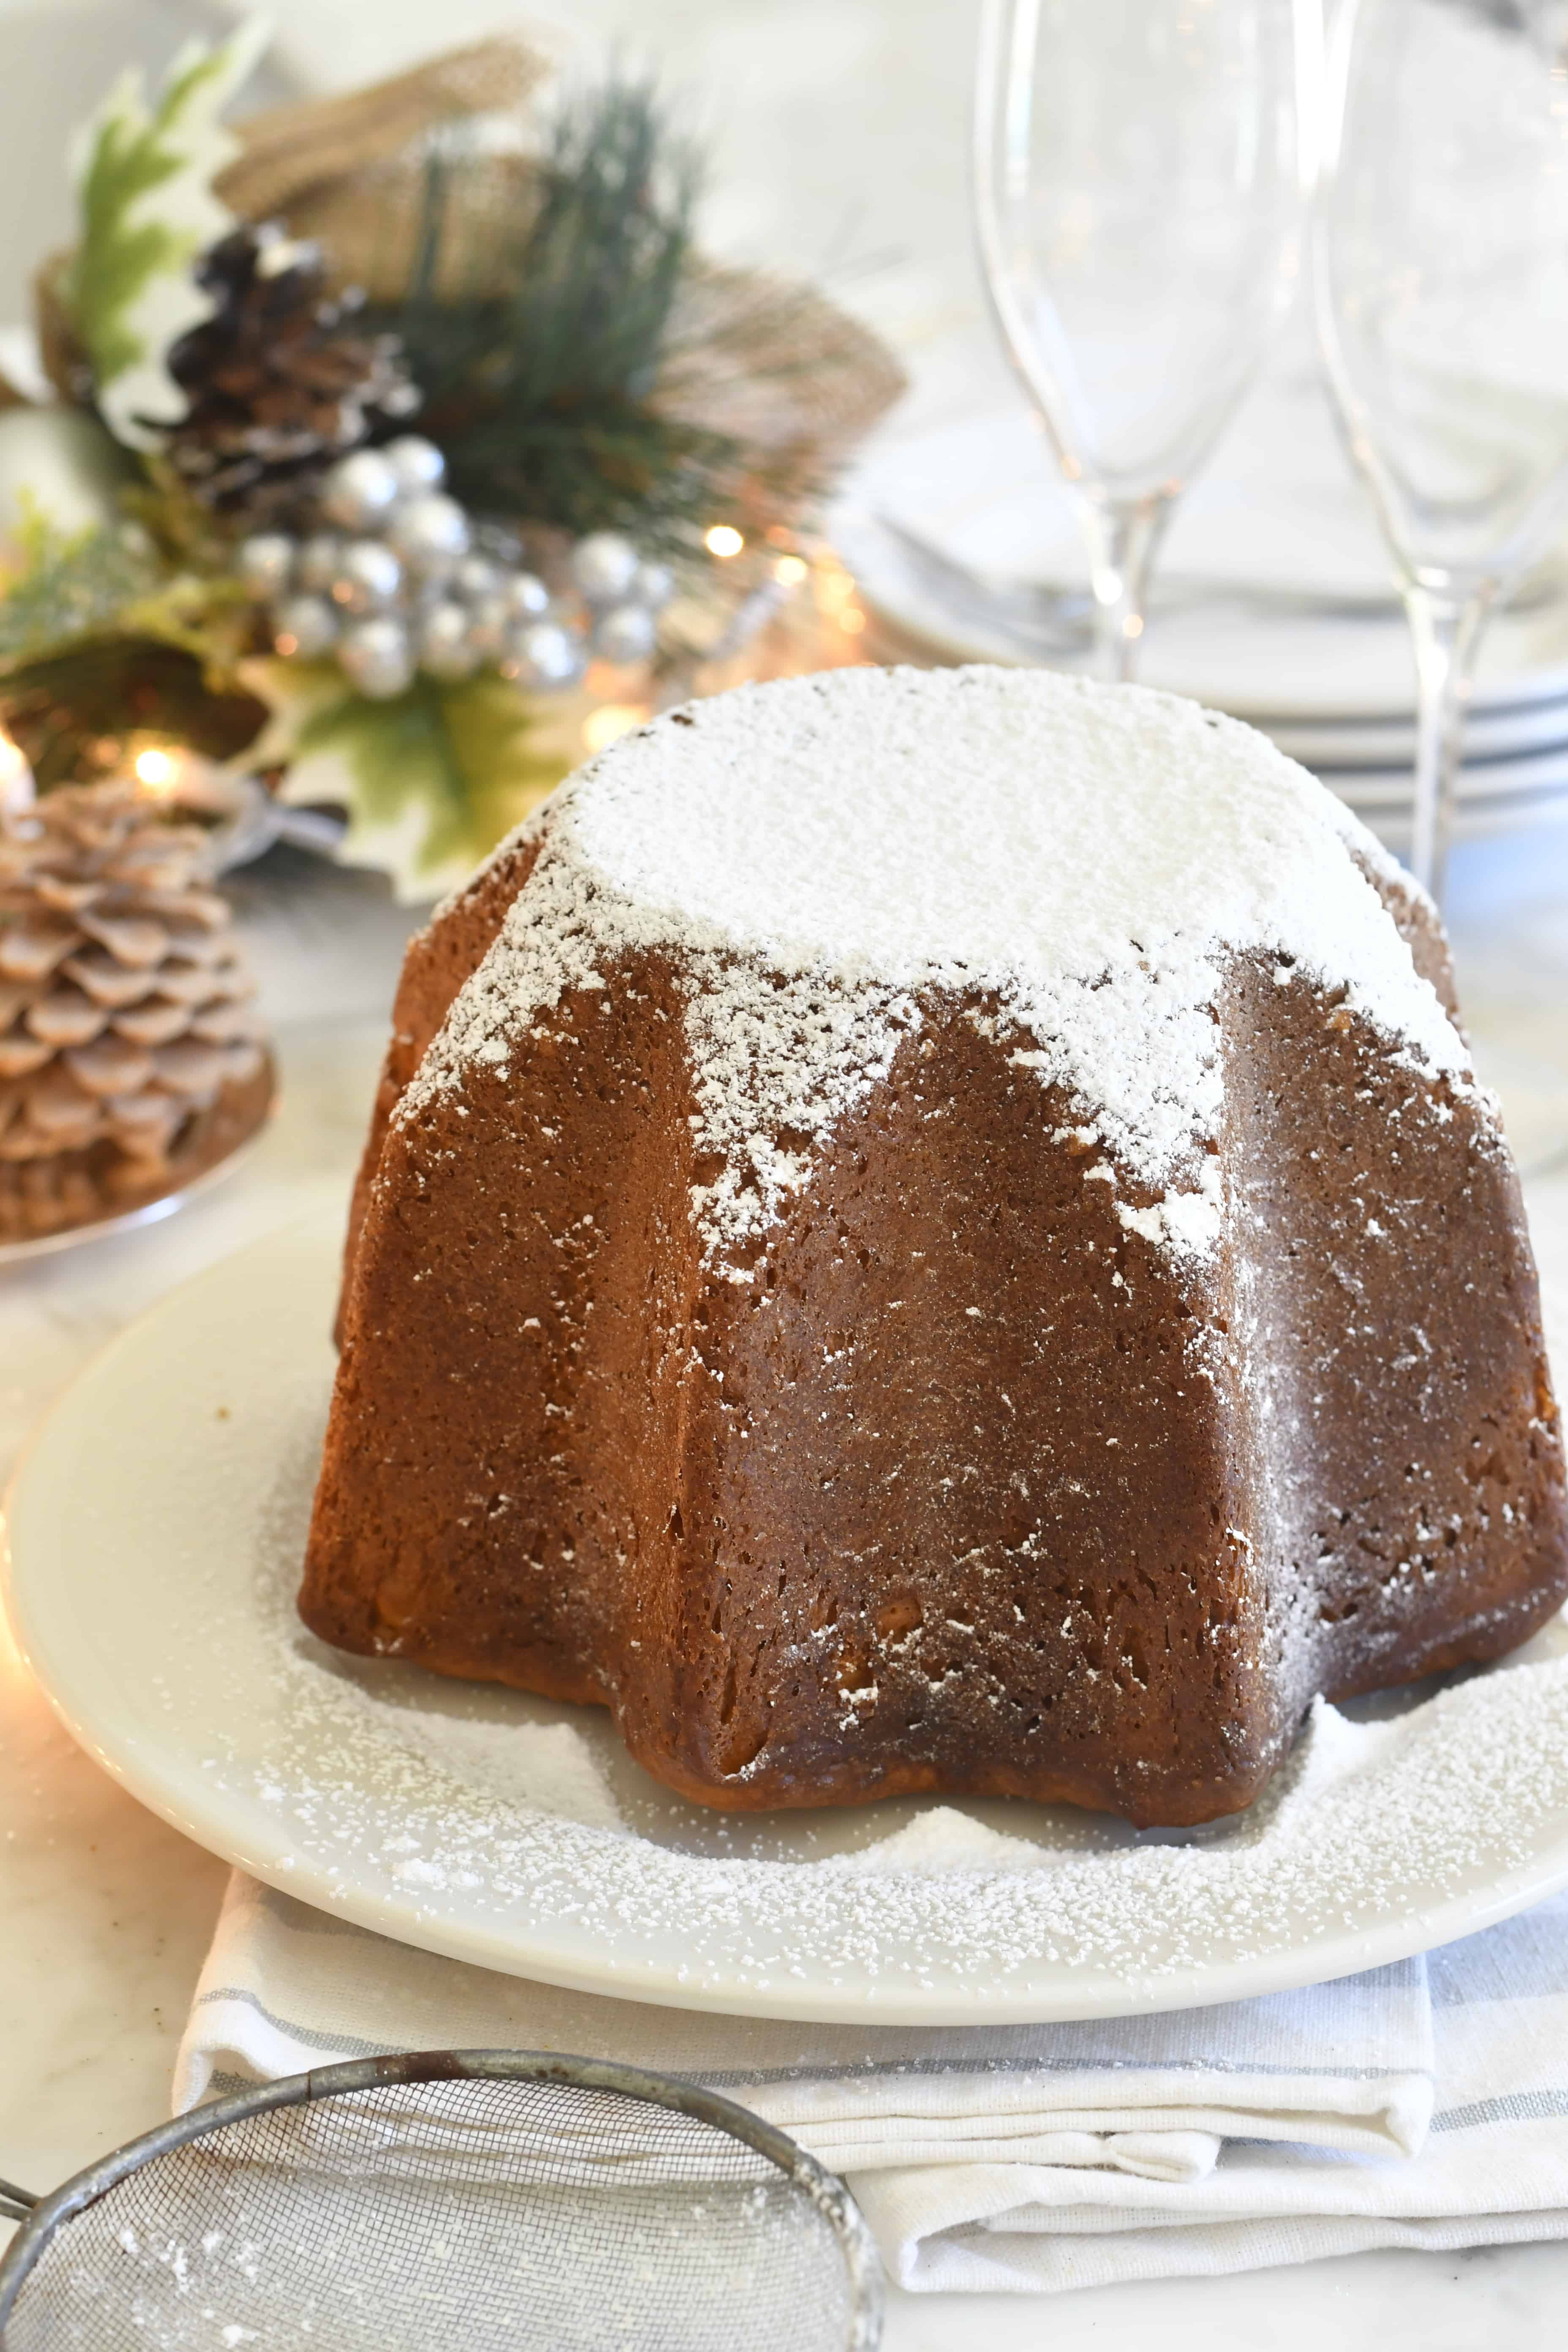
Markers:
(789, 571)
(723, 540)
(15, 775)
(612, 719)
(156, 770)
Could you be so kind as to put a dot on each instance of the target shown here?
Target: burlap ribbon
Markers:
(781, 369)
(778, 368)
(349, 170)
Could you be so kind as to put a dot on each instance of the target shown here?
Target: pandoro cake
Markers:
(935, 1231)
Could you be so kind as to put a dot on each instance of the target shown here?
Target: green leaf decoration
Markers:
(431, 779)
(144, 180)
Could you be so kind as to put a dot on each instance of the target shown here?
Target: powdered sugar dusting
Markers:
(921, 1910)
(826, 855)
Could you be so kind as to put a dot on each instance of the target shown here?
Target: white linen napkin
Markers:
(1423, 2105)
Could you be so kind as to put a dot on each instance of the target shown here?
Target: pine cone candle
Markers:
(278, 382)
(130, 1055)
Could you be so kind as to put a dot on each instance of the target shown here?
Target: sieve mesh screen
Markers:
(465, 2214)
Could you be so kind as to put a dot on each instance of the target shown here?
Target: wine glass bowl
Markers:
(1139, 170)
(1441, 275)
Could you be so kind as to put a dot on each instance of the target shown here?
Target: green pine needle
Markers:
(71, 585)
(540, 393)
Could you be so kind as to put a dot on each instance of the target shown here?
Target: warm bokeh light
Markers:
(157, 770)
(852, 619)
(723, 540)
(611, 720)
(15, 775)
(789, 570)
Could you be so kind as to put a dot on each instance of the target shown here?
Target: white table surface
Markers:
(839, 128)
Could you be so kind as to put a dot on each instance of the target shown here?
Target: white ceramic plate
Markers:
(1316, 675)
(1508, 793)
(1500, 732)
(1275, 518)
(1267, 666)
(155, 1532)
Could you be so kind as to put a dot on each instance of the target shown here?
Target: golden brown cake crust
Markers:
(438, 960)
(955, 1478)
(967, 1495)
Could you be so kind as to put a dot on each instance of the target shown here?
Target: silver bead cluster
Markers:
(399, 581)
(623, 592)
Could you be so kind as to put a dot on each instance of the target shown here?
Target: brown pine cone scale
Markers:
(279, 380)
(131, 1056)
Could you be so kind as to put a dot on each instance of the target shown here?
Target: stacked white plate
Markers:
(1273, 598)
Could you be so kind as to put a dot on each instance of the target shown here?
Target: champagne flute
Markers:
(1140, 170)
(1441, 275)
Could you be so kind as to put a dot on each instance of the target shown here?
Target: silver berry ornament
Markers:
(430, 531)
(318, 562)
(406, 583)
(361, 490)
(305, 626)
(653, 584)
(376, 657)
(604, 566)
(368, 577)
(417, 463)
(446, 645)
(267, 564)
(624, 634)
(549, 654)
(475, 578)
(528, 599)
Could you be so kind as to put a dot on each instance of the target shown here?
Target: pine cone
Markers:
(278, 382)
(130, 1054)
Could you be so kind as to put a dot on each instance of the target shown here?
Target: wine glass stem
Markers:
(1445, 632)
(1122, 537)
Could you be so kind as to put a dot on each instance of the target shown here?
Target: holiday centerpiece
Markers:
(399, 446)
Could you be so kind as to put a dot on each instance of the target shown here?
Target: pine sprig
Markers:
(71, 585)
(542, 393)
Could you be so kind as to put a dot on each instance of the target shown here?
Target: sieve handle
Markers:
(15, 2204)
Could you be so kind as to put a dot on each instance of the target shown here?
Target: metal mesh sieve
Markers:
(464, 2199)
